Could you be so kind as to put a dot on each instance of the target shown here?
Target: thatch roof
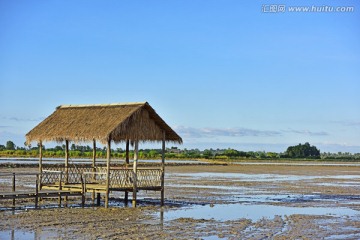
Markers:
(103, 122)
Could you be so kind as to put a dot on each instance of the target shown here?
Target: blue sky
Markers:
(221, 73)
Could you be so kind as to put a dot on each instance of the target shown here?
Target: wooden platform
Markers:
(40, 194)
(63, 182)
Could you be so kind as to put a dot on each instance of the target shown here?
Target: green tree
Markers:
(207, 154)
(153, 154)
(10, 145)
(231, 153)
(303, 151)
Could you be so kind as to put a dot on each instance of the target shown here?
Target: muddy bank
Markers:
(210, 202)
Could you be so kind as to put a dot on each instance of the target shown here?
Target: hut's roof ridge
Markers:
(135, 121)
(101, 105)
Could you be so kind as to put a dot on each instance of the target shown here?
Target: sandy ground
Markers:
(253, 189)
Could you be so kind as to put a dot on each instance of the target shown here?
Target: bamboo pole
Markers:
(66, 161)
(108, 155)
(97, 199)
(163, 170)
(136, 149)
(93, 166)
(40, 157)
(37, 190)
(127, 151)
(94, 154)
(60, 188)
(126, 199)
(13, 188)
(66, 180)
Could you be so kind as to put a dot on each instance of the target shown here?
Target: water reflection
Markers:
(16, 234)
(225, 212)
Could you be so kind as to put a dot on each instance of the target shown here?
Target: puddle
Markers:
(345, 236)
(28, 235)
(235, 177)
(300, 164)
(339, 184)
(219, 187)
(213, 237)
(247, 177)
(17, 234)
(228, 212)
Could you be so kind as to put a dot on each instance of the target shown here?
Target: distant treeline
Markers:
(301, 151)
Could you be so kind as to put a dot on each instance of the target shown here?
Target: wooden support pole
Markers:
(94, 154)
(40, 157)
(98, 199)
(40, 165)
(126, 199)
(13, 188)
(83, 191)
(127, 151)
(108, 156)
(163, 170)
(66, 161)
(60, 188)
(94, 167)
(66, 165)
(37, 190)
(136, 149)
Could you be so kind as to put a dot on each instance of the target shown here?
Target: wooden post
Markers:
(66, 161)
(40, 165)
(13, 188)
(94, 167)
(127, 151)
(94, 154)
(126, 199)
(108, 155)
(60, 188)
(37, 191)
(163, 170)
(136, 149)
(98, 199)
(40, 157)
(66, 165)
(83, 191)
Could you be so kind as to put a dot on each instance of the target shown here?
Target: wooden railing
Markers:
(74, 173)
(149, 177)
(119, 177)
(49, 176)
(54, 177)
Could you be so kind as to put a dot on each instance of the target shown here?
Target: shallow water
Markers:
(18, 234)
(226, 212)
(298, 164)
(261, 177)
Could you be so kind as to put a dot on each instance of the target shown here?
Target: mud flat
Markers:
(209, 202)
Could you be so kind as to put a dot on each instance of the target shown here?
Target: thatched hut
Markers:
(106, 123)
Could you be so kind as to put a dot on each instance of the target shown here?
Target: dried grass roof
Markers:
(103, 122)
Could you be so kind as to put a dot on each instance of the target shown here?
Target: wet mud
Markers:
(206, 202)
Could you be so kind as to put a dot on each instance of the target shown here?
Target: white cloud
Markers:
(348, 123)
(307, 132)
(16, 119)
(189, 132)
